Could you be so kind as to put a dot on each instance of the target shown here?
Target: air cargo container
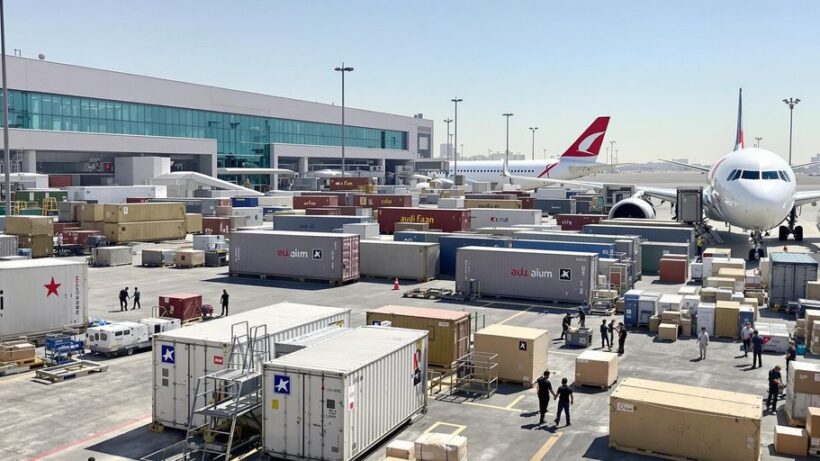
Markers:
(381, 201)
(404, 260)
(244, 202)
(308, 255)
(495, 203)
(444, 220)
(182, 356)
(182, 306)
(144, 231)
(419, 236)
(157, 257)
(253, 215)
(449, 244)
(42, 296)
(336, 400)
(651, 233)
(314, 201)
(706, 317)
(112, 256)
(523, 352)
(353, 183)
(139, 212)
(449, 330)
(488, 217)
(789, 274)
(652, 252)
(555, 206)
(576, 222)
(305, 223)
(210, 242)
(29, 225)
(8, 245)
(77, 237)
(604, 250)
(529, 274)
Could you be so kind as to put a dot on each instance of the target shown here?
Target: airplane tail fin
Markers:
(739, 144)
(588, 145)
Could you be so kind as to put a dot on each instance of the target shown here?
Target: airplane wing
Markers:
(806, 197)
(804, 165)
(592, 168)
(686, 165)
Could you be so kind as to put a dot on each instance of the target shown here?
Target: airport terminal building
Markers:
(77, 121)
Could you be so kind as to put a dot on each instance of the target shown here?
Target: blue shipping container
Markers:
(244, 202)
(743, 317)
(631, 298)
(418, 236)
(605, 250)
(448, 246)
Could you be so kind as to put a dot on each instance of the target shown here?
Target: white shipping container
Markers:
(276, 200)
(112, 256)
(501, 217)
(365, 230)
(254, 215)
(39, 296)
(335, 400)
(450, 203)
(210, 242)
(181, 357)
(114, 194)
(706, 317)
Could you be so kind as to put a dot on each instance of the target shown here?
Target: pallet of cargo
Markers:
(21, 366)
(515, 382)
(595, 386)
(69, 370)
(794, 422)
(653, 454)
(427, 293)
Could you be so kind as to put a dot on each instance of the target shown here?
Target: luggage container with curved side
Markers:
(335, 400)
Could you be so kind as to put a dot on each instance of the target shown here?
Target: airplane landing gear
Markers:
(757, 251)
(790, 228)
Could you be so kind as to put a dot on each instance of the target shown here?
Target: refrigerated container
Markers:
(449, 245)
(336, 400)
(420, 236)
(306, 223)
(489, 217)
(182, 356)
(210, 242)
(789, 274)
(447, 220)
(308, 255)
(42, 296)
(529, 274)
(403, 260)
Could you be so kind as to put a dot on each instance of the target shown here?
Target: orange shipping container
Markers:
(314, 201)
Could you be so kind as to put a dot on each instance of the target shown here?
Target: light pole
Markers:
(343, 69)
(507, 149)
(545, 153)
(758, 142)
(455, 101)
(6, 155)
(791, 103)
(533, 128)
(449, 145)
(611, 151)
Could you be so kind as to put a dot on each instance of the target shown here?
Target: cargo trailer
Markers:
(556, 276)
(489, 217)
(403, 260)
(449, 245)
(336, 400)
(302, 255)
(182, 356)
(439, 219)
(42, 296)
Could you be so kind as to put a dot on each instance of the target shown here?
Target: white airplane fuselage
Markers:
(752, 189)
(491, 171)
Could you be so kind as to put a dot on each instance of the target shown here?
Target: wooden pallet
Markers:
(21, 366)
(654, 454)
(427, 293)
(514, 382)
(595, 386)
(69, 370)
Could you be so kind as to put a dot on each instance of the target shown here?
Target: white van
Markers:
(116, 338)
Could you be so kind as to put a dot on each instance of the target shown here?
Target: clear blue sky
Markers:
(666, 71)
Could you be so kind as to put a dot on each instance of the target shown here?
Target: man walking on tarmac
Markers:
(224, 301)
(703, 342)
(124, 299)
(565, 323)
(136, 299)
(775, 383)
(605, 335)
(544, 391)
(565, 399)
(757, 350)
(582, 317)
(621, 338)
(746, 337)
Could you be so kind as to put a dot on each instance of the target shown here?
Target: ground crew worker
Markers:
(775, 383)
(757, 350)
(565, 399)
(605, 335)
(699, 241)
(746, 337)
(136, 299)
(565, 325)
(582, 317)
(58, 242)
(611, 333)
(224, 301)
(124, 299)
(703, 342)
(791, 355)
(621, 338)
(544, 391)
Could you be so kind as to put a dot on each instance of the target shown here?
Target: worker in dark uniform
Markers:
(621, 338)
(565, 323)
(124, 299)
(605, 335)
(757, 350)
(699, 242)
(775, 383)
(565, 399)
(611, 327)
(582, 317)
(791, 356)
(224, 301)
(136, 297)
(544, 391)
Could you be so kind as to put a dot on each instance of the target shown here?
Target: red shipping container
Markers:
(183, 306)
(517, 193)
(216, 225)
(577, 222)
(137, 199)
(61, 227)
(314, 201)
(77, 237)
(59, 180)
(527, 202)
(673, 270)
(349, 183)
(326, 211)
(447, 220)
(381, 200)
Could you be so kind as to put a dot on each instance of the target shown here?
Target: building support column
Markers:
(29, 161)
(303, 166)
(383, 165)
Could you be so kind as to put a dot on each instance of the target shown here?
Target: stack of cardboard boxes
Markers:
(33, 232)
(596, 368)
(802, 391)
(522, 352)
(430, 446)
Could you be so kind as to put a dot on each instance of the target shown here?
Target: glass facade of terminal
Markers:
(242, 140)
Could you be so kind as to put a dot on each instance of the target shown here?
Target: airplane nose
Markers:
(760, 206)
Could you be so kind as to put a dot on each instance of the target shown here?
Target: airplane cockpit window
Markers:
(731, 176)
(784, 176)
(750, 174)
(770, 175)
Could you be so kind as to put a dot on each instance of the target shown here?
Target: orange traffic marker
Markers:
(396, 284)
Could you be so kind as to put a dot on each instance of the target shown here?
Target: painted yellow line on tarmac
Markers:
(458, 427)
(516, 315)
(564, 353)
(542, 452)
(517, 399)
(494, 407)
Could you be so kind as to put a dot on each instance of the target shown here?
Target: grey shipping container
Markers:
(404, 260)
(67, 211)
(652, 252)
(336, 400)
(554, 206)
(651, 233)
(315, 223)
(789, 274)
(158, 257)
(309, 255)
(8, 245)
(112, 256)
(531, 274)
(419, 236)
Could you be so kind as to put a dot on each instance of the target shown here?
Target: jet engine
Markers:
(633, 207)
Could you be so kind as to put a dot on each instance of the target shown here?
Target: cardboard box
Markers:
(804, 377)
(13, 351)
(596, 368)
(726, 319)
(719, 282)
(684, 421)
(791, 441)
(434, 446)
(738, 275)
(401, 449)
(522, 352)
(671, 317)
(668, 332)
(813, 289)
(654, 321)
(813, 427)
(723, 294)
(686, 326)
(810, 316)
(189, 258)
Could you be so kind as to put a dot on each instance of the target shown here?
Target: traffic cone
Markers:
(396, 284)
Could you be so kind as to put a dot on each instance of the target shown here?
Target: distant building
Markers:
(445, 151)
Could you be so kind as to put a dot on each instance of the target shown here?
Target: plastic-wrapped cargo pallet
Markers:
(182, 356)
(350, 378)
(684, 422)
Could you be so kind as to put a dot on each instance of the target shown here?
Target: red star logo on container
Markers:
(52, 288)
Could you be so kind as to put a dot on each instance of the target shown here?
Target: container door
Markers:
(801, 272)
(325, 406)
(285, 427)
